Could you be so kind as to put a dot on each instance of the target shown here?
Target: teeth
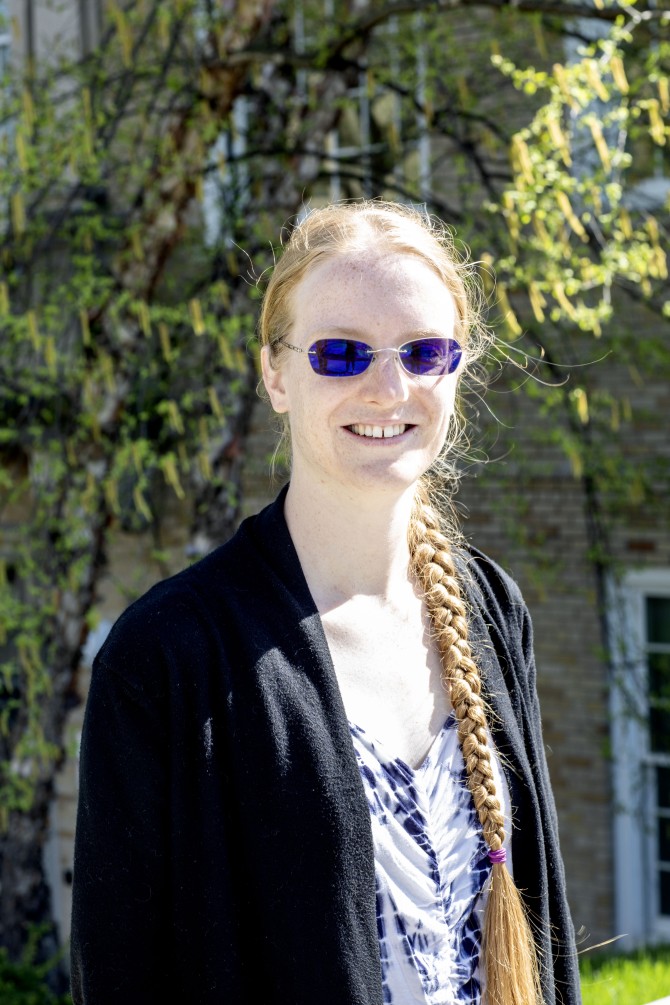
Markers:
(378, 432)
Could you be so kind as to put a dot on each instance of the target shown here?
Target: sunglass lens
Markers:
(428, 356)
(333, 357)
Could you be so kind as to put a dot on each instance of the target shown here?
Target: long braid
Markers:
(508, 947)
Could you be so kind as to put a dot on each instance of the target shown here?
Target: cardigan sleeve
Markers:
(566, 979)
(120, 945)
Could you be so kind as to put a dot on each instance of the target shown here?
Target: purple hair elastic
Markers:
(498, 857)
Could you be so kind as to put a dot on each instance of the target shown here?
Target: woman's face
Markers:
(383, 300)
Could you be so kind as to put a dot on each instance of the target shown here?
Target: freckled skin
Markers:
(384, 301)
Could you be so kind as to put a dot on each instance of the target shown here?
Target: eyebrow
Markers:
(362, 335)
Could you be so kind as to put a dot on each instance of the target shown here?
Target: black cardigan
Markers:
(223, 850)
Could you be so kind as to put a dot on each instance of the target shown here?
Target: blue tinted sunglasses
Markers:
(344, 357)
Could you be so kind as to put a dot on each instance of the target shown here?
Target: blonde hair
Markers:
(508, 949)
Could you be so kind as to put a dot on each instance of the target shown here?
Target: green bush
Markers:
(636, 978)
(25, 982)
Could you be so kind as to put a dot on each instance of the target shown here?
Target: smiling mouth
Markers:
(379, 432)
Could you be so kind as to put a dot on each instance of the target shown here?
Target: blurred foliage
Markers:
(115, 375)
(26, 982)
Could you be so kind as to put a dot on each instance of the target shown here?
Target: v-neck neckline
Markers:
(385, 755)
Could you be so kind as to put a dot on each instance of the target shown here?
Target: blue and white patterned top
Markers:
(431, 867)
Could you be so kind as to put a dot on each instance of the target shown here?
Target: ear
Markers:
(273, 378)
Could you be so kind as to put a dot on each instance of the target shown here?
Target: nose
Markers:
(386, 380)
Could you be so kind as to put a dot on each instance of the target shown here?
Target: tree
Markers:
(124, 332)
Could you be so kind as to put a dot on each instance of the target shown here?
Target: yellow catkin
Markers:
(111, 490)
(558, 138)
(175, 417)
(144, 318)
(595, 80)
(656, 125)
(215, 403)
(18, 213)
(205, 465)
(540, 40)
(28, 107)
(171, 476)
(619, 74)
(141, 504)
(231, 263)
(625, 224)
(224, 294)
(508, 311)
(600, 144)
(651, 226)
(581, 402)
(50, 355)
(164, 336)
(163, 30)
(661, 263)
(197, 320)
(88, 122)
(559, 294)
(537, 302)
(107, 370)
(521, 159)
(136, 455)
(137, 246)
(21, 152)
(33, 330)
(226, 354)
(124, 32)
(85, 327)
(541, 231)
(570, 215)
(561, 78)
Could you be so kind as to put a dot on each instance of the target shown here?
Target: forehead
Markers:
(368, 292)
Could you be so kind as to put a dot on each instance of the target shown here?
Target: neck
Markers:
(351, 543)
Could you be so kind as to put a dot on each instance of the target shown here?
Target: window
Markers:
(640, 620)
(90, 17)
(657, 611)
(5, 38)
(360, 153)
(364, 148)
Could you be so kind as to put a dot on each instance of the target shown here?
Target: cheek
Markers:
(446, 408)
(448, 400)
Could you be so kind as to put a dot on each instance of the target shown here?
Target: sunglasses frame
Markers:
(454, 350)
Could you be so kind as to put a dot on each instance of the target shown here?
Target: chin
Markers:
(397, 479)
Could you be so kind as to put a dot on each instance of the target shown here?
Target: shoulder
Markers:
(191, 593)
(488, 583)
(191, 617)
(498, 609)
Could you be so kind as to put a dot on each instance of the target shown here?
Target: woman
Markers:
(306, 758)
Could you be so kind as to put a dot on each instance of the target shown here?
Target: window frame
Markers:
(635, 809)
